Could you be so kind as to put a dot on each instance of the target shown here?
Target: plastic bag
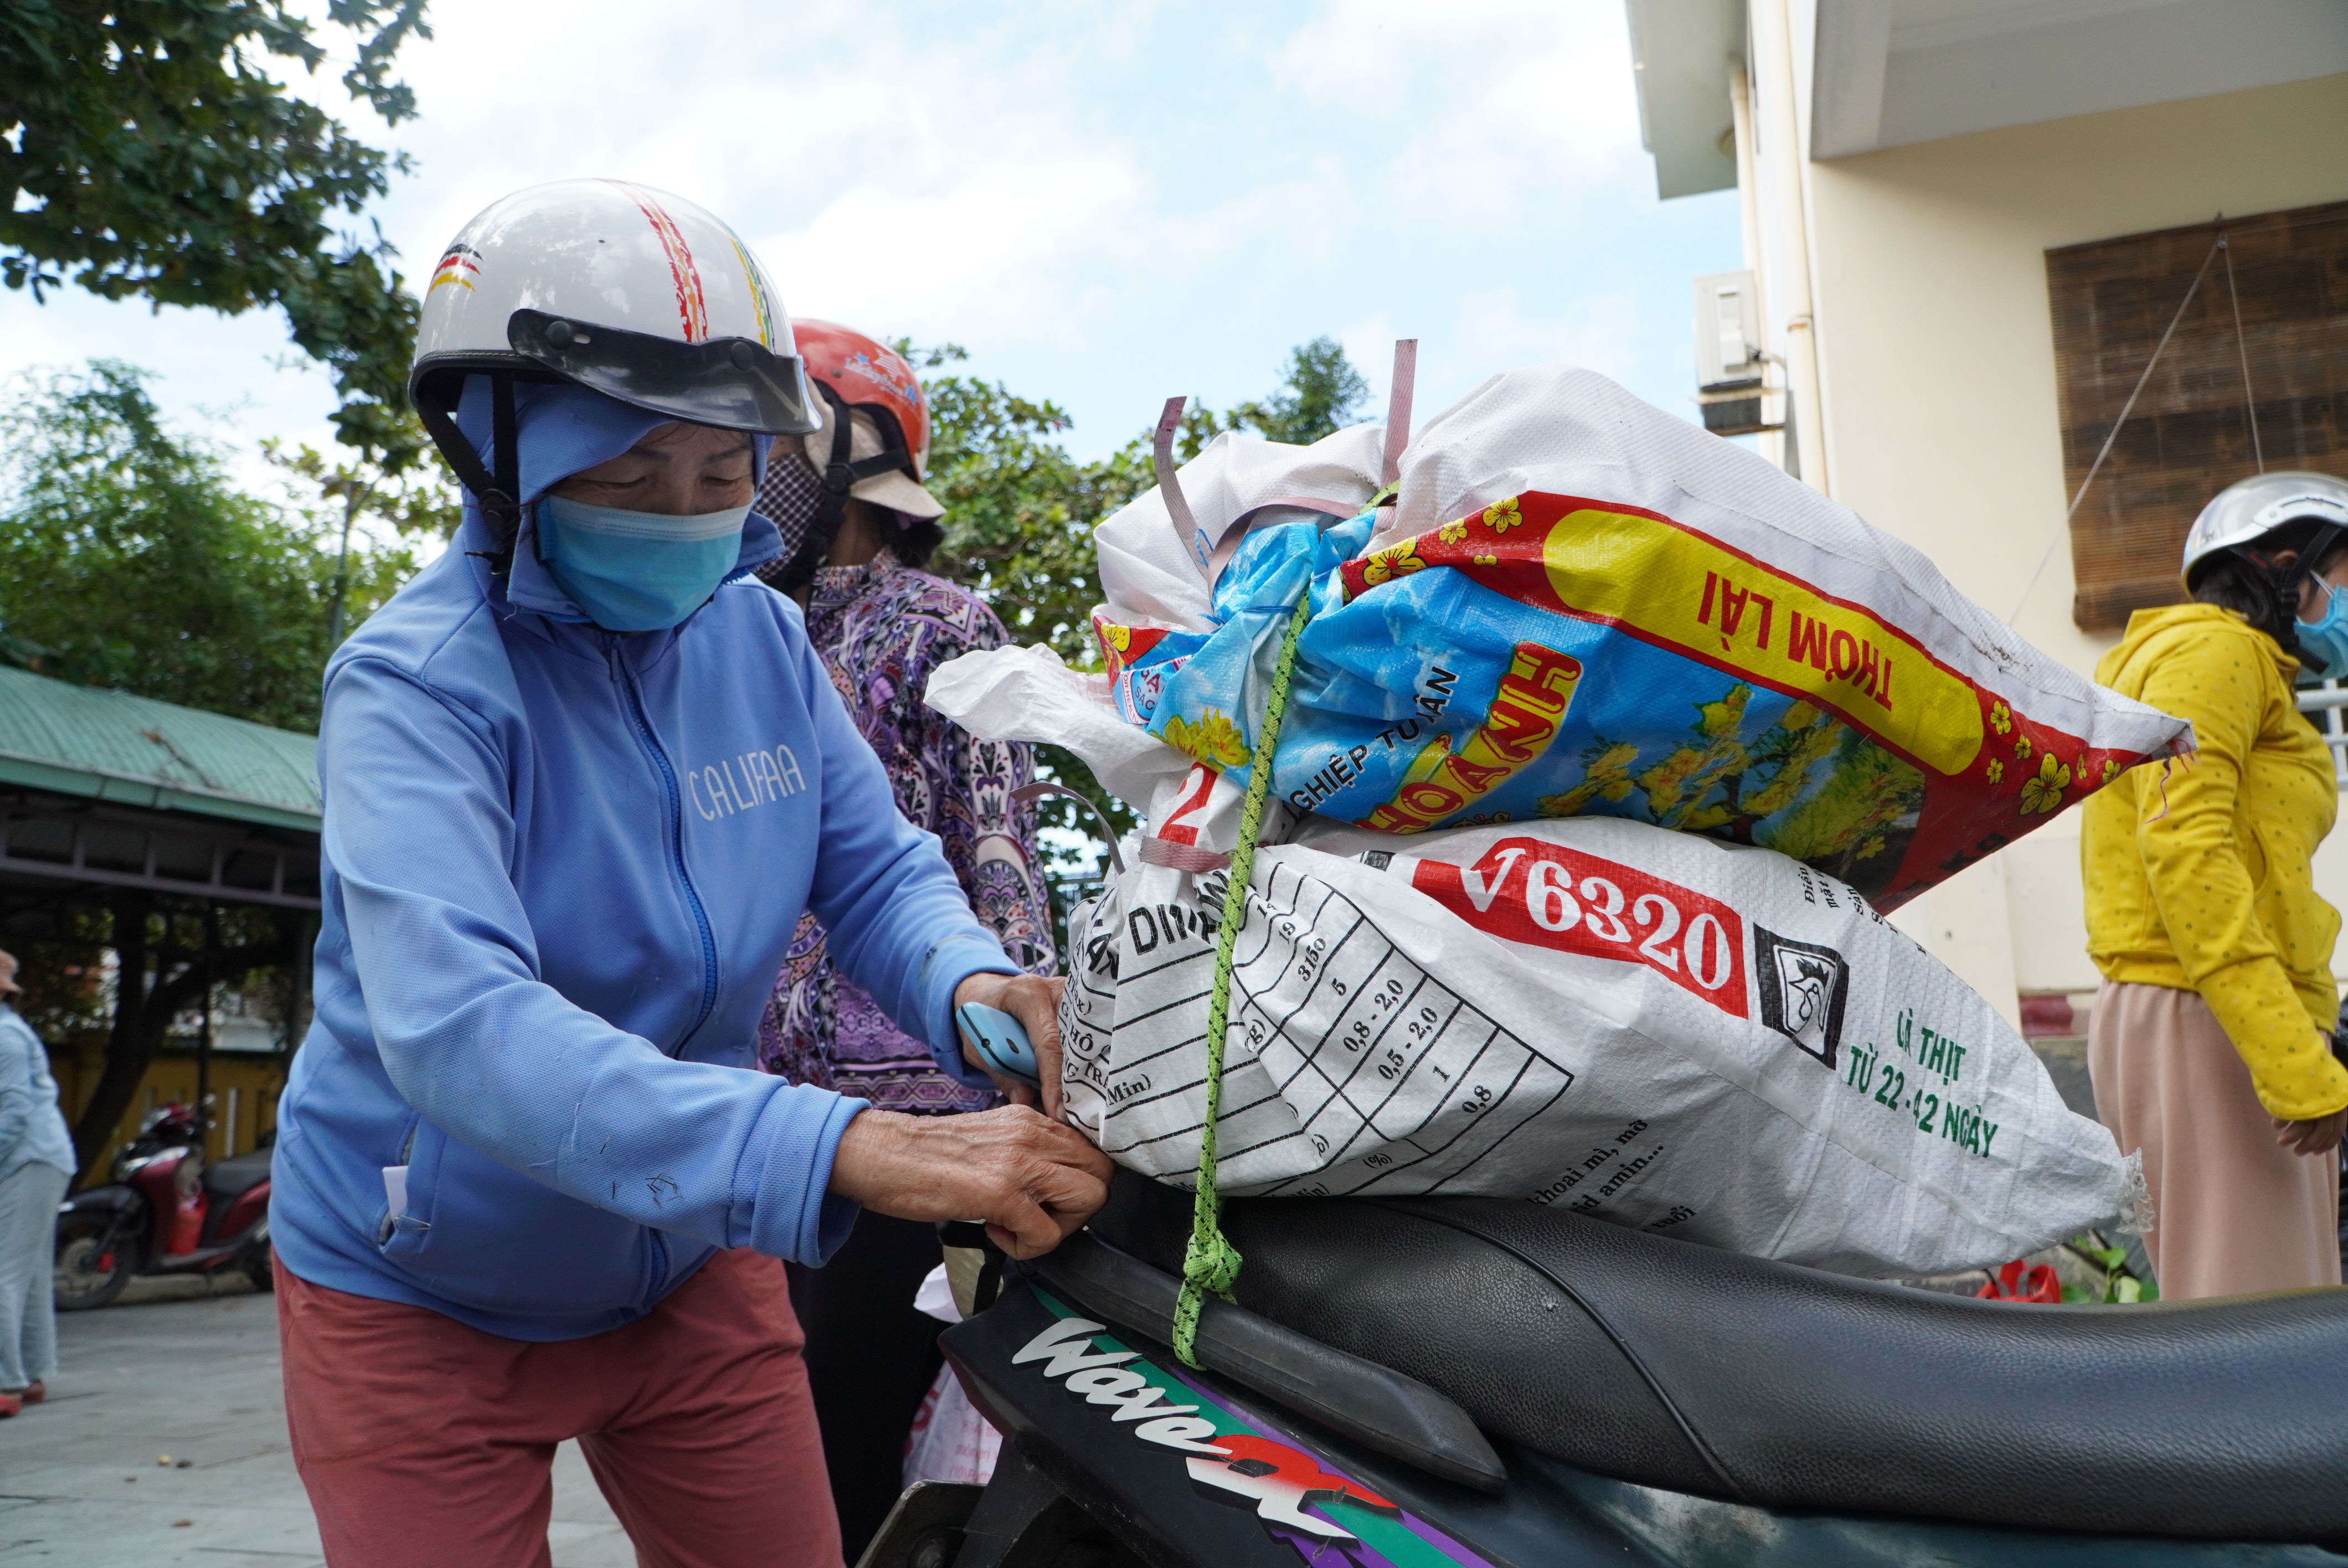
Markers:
(949, 1440)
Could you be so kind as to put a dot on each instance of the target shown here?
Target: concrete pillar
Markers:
(1785, 207)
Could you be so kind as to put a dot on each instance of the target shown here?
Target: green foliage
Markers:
(2121, 1286)
(1019, 509)
(421, 501)
(1320, 393)
(64, 980)
(1019, 518)
(156, 156)
(129, 559)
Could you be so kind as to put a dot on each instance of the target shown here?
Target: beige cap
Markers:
(896, 489)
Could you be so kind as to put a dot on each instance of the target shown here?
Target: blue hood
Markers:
(561, 430)
(562, 867)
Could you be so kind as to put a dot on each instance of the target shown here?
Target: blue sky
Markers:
(1106, 203)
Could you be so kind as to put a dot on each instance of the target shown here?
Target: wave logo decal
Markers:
(1329, 1518)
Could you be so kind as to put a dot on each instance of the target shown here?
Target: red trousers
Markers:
(423, 1441)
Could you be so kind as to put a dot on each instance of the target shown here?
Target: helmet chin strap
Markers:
(839, 477)
(497, 491)
(2287, 579)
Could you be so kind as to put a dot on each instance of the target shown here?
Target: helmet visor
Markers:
(732, 383)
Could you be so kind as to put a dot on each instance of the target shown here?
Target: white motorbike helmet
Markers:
(2243, 513)
(635, 293)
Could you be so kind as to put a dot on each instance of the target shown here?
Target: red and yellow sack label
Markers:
(1679, 589)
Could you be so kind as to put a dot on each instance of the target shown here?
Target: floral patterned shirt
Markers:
(880, 629)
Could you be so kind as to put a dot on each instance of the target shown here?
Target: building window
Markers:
(2190, 434)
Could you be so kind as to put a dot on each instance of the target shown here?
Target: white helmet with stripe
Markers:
(628, 291)
(2247, 510)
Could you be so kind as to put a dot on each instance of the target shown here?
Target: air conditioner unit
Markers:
(1728, 362)
(1727, 332)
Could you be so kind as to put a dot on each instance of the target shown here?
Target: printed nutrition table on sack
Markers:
(1276, 939)
(1398, 1081)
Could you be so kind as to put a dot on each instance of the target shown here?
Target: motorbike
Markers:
(1410, 1383)
(166, 1211)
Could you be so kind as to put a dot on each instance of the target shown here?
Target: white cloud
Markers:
(1487, 329)
(1491, 329)
(1510, 111)
(1105, 202)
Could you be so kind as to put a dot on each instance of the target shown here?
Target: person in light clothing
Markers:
(2210, 1044)
(36, 1165)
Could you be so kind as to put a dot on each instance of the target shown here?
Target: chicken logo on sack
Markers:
(1806, 984)
(1802, 988)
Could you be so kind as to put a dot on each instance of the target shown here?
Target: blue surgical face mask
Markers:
(2327, 640)
(637, 572)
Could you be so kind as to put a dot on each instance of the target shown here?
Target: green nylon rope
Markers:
(1211, 1264)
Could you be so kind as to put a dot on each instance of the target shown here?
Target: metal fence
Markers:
(2323, 702)
(1067, 891)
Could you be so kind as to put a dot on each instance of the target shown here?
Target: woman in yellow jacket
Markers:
(2211, 1044)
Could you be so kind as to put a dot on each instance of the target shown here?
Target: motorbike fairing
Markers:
(1064, 1449)
(110, 1197)
(1172, 1463)
(1681, 1366)
(233, 1178)
(239, 1189)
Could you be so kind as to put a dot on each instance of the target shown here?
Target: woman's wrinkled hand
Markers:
(1035, 1003)
(1033, 1182)
(2316, 1136)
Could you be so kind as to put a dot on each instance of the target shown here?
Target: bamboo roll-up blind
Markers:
(2190, 434)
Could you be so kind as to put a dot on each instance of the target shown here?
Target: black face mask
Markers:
(789, 498)
(832, 487)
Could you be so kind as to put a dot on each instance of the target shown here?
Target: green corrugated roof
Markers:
(109, 745)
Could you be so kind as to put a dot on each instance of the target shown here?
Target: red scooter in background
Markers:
(166, 1212)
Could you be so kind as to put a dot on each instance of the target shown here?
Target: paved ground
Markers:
(170, 1373)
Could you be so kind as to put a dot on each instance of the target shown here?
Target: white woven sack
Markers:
(1656, 1029)
(1150, 573)
(1563, 430)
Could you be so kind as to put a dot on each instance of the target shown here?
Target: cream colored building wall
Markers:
(1937, 371)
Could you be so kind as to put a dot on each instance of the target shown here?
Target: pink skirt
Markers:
(2233, 1211)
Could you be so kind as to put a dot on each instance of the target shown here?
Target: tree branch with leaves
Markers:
(146, 152)
(129, 559)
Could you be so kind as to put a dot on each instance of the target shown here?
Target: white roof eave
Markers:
(1681, 52)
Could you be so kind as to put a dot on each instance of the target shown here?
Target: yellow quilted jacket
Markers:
(2200, 881)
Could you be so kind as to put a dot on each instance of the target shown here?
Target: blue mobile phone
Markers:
(1002, 1043)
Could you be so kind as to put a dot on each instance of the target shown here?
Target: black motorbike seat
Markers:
(1678, 1366)
(237, 1175)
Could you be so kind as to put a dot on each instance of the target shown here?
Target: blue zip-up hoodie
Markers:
(562, 867)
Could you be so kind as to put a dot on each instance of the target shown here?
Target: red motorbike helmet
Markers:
(873, 445)
(865, 372)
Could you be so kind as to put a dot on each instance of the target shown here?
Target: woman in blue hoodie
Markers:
(581, 776)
